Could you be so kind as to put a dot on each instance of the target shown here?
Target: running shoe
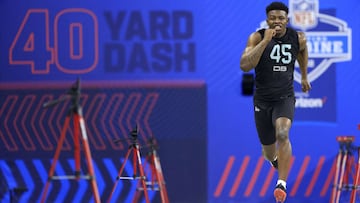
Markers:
(280, 193)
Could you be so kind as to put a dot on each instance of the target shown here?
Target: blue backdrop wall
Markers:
(172, 68)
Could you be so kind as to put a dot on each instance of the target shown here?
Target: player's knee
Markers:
(282, 135)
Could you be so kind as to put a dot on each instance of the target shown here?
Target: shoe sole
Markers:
(280, 195)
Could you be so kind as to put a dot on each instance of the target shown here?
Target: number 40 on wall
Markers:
(71, 43)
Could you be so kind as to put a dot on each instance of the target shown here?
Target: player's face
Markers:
(277, 19)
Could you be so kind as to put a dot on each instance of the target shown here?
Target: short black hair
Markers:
(277, 6)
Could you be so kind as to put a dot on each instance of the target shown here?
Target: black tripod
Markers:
(133, 148)
(74, 112)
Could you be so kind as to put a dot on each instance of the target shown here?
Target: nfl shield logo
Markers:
(303, 13)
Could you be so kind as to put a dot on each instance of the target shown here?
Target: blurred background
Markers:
(171, 69)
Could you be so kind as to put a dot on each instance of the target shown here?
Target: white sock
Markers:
(283, 183)
(274, 158)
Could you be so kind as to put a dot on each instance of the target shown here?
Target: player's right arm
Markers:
(254, 48)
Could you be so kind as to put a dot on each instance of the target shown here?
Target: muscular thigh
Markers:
(264, 124)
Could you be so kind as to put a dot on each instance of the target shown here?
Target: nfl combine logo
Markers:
(325, 46)
(328, 42)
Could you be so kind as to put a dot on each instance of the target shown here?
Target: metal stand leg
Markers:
(339, 158)
(356, 181)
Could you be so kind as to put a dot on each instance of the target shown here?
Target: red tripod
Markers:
(133, 148)
(75, 112)
(157, 182)
(345, 166)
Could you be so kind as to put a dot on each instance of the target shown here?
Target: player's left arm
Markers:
(302, 59)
